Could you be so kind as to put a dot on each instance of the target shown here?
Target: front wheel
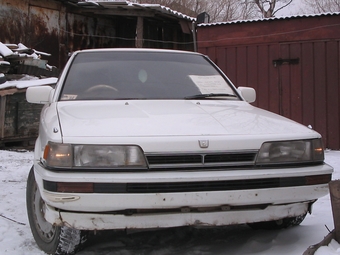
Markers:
(51, 239)
(279, 224)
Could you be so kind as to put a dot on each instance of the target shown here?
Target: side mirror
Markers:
(39, 94)
(248, 94)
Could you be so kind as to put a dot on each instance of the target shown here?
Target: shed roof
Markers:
(270, 19)
(128, 8)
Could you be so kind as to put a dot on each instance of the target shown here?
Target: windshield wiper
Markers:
(202, 96)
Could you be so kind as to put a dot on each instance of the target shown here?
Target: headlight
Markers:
(67, 155)
(108, 156)
(299, 151)
(58, 155)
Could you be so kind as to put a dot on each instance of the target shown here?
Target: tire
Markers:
(51, 239)
(278, 224)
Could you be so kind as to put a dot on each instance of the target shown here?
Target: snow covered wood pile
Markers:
(17, 58)
(21, 67)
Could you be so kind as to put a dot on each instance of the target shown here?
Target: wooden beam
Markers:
(2, 116)
(118, 12)
(11, 91)
(140, 32)
(186, 26)
(334, 190)
(45, 4)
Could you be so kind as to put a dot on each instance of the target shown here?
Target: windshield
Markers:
(108, 75)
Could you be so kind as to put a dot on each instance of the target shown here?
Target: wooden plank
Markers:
(307, 64)
(2, 116)
(221, 58)
(139, 32)
(11, 91)
(320, 89)
(273, 79)
(241, 66)
(231, 64)
(295, 81)
(334, 191)
(263, 68)
(333, 106)
(252, 69)
(212, 55)
(284, 82)
(20, 118)
(54, 5)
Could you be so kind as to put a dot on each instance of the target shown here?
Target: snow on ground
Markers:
(16, 237)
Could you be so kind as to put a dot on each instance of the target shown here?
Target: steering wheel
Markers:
(99, 87)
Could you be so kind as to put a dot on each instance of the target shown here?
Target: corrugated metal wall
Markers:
(299, 80)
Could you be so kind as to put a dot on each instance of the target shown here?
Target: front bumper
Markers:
(101, 221)
(152, 210)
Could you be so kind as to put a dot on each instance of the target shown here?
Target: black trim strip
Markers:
(175, 187)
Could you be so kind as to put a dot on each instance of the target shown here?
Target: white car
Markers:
(142, 138)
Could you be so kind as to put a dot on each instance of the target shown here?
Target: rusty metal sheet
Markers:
(44, 27)
(13, 20)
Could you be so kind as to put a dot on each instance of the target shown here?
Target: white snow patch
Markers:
(332, 249)
(4, 62)
(29, 82)
(4, 50)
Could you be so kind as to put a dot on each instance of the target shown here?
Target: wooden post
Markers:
(140, 32)
(334, 189)
(2, 115)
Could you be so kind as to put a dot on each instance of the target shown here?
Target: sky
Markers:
(295, 8)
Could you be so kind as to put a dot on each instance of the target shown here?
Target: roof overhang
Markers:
(302, 16)
(127, 8)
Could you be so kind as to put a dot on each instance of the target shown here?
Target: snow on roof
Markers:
(270, 19)
(10, 51)
(113, 4)
(166, 10)
(15, 54)
(4, 50)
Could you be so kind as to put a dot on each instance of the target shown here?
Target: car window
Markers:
(141, 75)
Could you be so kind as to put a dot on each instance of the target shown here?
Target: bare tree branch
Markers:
(283, 7)
(322, 6)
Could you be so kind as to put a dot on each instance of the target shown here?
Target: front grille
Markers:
(201, 160)
(171, 159)
(228, 158)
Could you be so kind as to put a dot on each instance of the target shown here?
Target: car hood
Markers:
(137, 118)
